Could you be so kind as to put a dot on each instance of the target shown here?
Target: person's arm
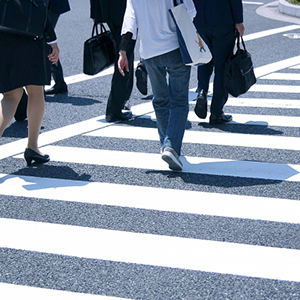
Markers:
(123, 61)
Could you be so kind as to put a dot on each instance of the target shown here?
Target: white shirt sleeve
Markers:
(130, 21)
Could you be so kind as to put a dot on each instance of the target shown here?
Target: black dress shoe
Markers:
(141, 78)
(31, 155)
(119, 117)
(219, 119)
(58, 88)
(201, 105)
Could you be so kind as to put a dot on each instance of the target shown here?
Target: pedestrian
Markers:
(112, 13)
(56, 8)
(217, 22)
(24, 63)
(168, 75)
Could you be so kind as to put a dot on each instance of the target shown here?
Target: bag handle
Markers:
(177, 2)
(238, 42)
(95, 29)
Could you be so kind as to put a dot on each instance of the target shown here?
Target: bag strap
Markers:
(238, 42)
(177, 2)
(95, 29)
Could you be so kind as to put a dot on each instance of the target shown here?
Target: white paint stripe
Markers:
(83, 77)
(62, 133)
(282, 76)
(263, 120)
(260, 102)
(254, 102)
(272, 88)
(269, 32)
(199, 137)
(10, 291)
(254, 3)
(155, 250)
(296, 67)
(196, 165)
(171, 200)
(274, 67)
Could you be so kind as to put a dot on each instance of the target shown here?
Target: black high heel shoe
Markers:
(31, 155)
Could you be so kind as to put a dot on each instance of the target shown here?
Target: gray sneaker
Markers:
(170, 156)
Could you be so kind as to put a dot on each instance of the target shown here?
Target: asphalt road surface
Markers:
(106, 218)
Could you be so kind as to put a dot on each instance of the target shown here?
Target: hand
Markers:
(53, 56)
(123, 62)
(240, 29)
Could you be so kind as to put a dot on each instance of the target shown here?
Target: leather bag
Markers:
(239, 73)
(100, 51)
(24, 17)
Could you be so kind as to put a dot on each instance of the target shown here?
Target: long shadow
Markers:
(250, 128)
(76, 101)
(34, 174)
(231, 173)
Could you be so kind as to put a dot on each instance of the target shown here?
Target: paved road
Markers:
(105, 219)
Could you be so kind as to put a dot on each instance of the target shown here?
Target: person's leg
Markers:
(222, 47)
(121, 86)
(8, 106)
(35, 114)
(179, 76)
(204, 73)
(157, 75)
(56, 69)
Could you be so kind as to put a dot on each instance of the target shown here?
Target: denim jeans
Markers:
(170, 96)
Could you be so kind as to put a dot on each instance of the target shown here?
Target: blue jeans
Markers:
(170, 99)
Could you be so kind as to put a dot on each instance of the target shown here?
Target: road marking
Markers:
(265, 33)
(154, 250)
(45, 138)
(271, 88)
(209, 138)
(13, 291)
(152, 198)
(195, 165)
(274, 67)
(254, 3)
(262, 120)
(282, 76)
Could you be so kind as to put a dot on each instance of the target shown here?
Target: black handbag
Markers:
(239, 73)
(25, 17)
(100, 51)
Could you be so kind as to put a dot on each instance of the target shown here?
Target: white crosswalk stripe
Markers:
(159, 250)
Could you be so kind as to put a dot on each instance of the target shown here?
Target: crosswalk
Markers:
(232, 215)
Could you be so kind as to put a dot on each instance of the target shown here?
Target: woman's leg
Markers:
(35, 114)
(8, 107)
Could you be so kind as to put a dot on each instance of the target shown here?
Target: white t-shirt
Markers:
(154, 24)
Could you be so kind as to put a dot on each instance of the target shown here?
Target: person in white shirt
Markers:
(168, 75)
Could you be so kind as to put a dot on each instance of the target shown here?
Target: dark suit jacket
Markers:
(218, 12)
(106, 11)
(59, 6)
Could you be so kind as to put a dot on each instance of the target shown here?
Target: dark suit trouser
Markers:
(121, 86)
(220, 40)
(56, 70)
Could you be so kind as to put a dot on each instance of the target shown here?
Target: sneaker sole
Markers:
(171, 161)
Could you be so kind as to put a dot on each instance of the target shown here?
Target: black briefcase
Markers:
(100, 51)
(239, 73)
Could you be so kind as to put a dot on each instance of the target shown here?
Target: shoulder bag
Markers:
(194, 50)
(239, 73)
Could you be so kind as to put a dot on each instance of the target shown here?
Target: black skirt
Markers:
(23, 61)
